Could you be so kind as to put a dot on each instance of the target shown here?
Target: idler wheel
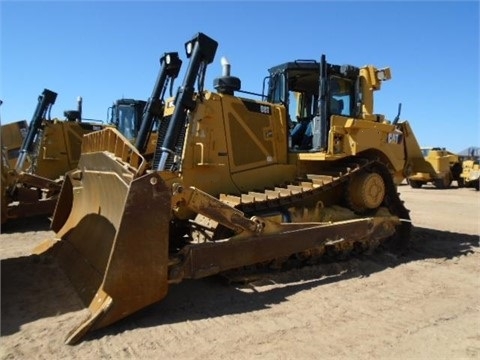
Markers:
(366, 191)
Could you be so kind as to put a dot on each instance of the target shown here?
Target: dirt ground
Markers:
(425, 305)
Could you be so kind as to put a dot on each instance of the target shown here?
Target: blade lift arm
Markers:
(45, 101)
(169, 69)
(258, 239)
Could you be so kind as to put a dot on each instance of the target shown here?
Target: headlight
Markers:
(189, 48)
(381, 75)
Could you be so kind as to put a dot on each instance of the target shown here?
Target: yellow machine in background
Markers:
(35, 158)
(233, 181)
(444, 168)
(12, 136)
(470, 176)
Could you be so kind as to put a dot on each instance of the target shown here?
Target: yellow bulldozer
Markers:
(36, 157)
(236, 179)
(443, 167)
(31, 183)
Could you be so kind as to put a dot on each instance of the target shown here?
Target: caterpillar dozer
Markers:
(227, 185)
(443, 167)
(36, 157)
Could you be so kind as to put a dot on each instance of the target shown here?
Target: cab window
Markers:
(341, 93)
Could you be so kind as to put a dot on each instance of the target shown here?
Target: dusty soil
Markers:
(425, 304)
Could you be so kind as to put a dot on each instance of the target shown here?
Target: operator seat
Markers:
(298, 132)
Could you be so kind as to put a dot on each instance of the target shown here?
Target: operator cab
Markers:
(299, 85)
(126, 116)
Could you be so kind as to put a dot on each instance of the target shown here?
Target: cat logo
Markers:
(394, 138)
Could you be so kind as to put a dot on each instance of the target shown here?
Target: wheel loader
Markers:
(444, 167)
(35, 158)
(229, 184)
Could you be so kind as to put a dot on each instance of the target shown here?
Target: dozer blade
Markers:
(113, 231)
